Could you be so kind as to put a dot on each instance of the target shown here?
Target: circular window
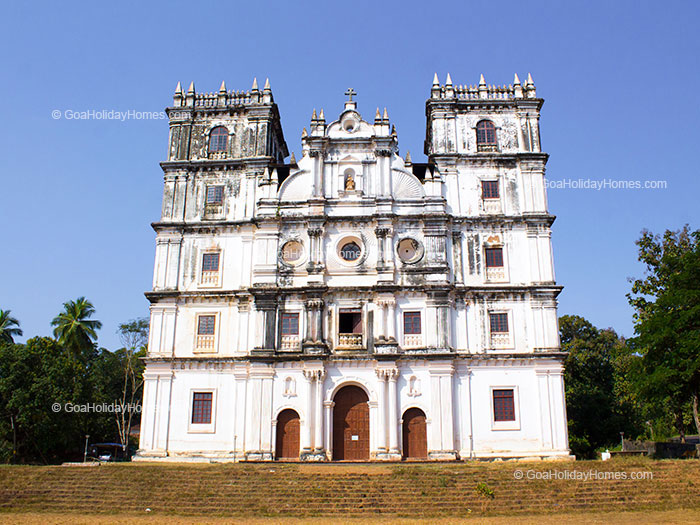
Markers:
(292, 252)
(409, 250)
(350, 123)
(350, 251)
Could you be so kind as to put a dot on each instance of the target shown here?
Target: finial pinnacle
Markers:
(178, 89)
(385, 116)
(516, 80)
(529, 79)
(321, 116)
(448, 82)
(436, 81)
(255, 84)
(191, 88)
(267, 85)
(482, 82)
(292, 159)
(313, 115)
(222, 89)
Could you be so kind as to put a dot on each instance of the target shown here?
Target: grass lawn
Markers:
(631, 518)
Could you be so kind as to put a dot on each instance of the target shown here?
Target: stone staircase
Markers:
(348, 489)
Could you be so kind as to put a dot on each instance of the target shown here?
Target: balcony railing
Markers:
(218, 155)
(205, 343)
(290, 342)
(496, 274)
(492, 206)
(210, 278)
(500, 340)
(350, 340)
(412, 341)
(213, 210)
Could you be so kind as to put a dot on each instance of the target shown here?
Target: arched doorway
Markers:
(287, 435)
(351, 424)
(415, 435)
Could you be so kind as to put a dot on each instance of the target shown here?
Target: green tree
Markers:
(37, 381)
(598, 401)
(73, 327)
(134, 337)
(667, 322)
(9, 327)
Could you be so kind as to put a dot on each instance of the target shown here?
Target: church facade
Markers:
(352, 304)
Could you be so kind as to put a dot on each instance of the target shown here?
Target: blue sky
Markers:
(620, 82)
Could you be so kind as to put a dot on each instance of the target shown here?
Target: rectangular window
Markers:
(210, 262)
(350, 322)
(290, 324)
(499, 323)
(489, 189)
(215, 195)
(494, 257)
(503, 405)
(206, 325)
(201, 408)
(411, 323)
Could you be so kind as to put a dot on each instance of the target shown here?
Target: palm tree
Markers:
(73, 327)
(9, 327)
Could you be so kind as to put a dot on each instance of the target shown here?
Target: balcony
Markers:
(492, 206)
(205, 343)
(500, 340)
(413, 341)
(210, 279)
(349, 341)
(495, 274)
(289, 343)
(217, 155)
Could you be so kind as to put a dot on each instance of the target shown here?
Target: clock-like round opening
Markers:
(292, 252)
(409, 250)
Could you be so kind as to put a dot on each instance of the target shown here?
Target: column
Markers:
(545, 407)
(457, 256)
(379, 320)
(309, 322)
(381, 428)
(306, 436)
(328, 405)
(318, 439)
(240, 375)
(381, 235)
(391, 321)
(393, 417)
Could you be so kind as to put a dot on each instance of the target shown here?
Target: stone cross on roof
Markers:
(350, 92)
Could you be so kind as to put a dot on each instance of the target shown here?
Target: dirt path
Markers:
(631, 518)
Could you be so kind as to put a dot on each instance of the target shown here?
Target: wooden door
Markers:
(351, 425)
(415, 436)
(287, 435)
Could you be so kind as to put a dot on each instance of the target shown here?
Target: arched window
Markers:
(486, 135)
(218, 139)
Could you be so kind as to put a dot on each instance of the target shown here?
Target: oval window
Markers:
(350, 251)
(292, 252)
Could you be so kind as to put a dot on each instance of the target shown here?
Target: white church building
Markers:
(352, 304)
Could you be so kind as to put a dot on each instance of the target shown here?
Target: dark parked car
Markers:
(109, 452)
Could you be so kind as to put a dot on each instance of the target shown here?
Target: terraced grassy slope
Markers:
(416, 490)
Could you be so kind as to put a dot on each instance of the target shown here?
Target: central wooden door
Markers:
(351, 425)
(415, 436)
(287, 435)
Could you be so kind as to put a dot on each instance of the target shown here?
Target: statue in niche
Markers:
(349, 182)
